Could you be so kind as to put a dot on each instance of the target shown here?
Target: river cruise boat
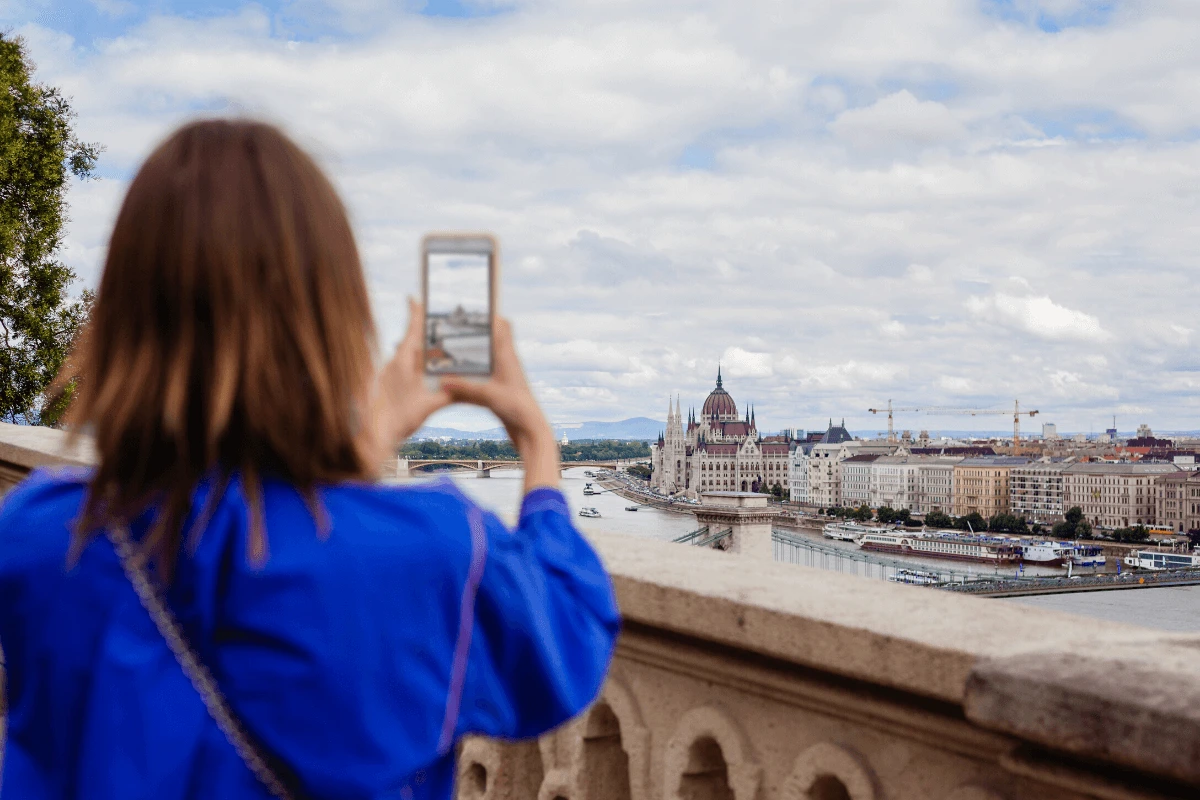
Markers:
(1087, 555)
(943, 544)
(914, 577)
(589, 490)
(1046, 554)
(846, 531)
(589, 512)
(1153, 560)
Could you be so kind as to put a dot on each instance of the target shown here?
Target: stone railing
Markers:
(740, 679)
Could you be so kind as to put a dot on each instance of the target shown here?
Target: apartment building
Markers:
(931, 483)
(825, 473)
(1178, 501)
(982, 484)
(890, 479)
(1036, 491)
(1115, 495)
(856, 479)
(798, 473)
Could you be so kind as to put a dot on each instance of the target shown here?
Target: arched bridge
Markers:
(405, 467)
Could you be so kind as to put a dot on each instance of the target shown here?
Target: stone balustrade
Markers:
(741, 679)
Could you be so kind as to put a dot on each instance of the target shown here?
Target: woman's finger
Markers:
(416, 324)
(462, 390)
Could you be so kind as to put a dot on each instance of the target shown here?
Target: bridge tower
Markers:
(747, 514)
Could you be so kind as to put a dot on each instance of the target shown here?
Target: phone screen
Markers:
(458, 313)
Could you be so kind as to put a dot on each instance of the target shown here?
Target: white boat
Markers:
(914, 577)
(631, 508)
(1087, 555)
(588, 512)
(1046, 554)
(1154, 560)
(943, 544)
(846, 531)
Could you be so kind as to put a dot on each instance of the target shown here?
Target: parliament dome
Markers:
(719, 403)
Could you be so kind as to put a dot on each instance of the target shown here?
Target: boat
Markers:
(1046, 554)
(1087, 555)
(915, 577)
(589, 512)
(943, 544)
(1154, 560)
(589, 474)
(631, 508)
(846, 531)
(588, 490)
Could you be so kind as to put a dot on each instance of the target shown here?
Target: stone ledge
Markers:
(1135, 706)
(26, 447)
(910, 638)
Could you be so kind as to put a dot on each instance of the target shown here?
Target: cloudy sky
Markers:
(947, 202)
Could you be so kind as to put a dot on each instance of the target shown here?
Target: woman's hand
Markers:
(508, 396)
(402, 400)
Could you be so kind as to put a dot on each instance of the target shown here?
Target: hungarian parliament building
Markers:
(717, 450)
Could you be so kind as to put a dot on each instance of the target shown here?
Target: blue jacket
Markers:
(354, 660)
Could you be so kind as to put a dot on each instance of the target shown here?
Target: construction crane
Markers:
(974, 412)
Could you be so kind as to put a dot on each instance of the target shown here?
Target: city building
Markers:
(856, 479)
(931, 483)
(718, 450)
(824, 463)
(798, 472)
(1115, 495)
(981, 485)
(1036, 491)
(1178, 501)
(1049, 430)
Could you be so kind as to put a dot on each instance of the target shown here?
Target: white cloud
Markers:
(898, 118)
(1039, 316)
(842, 202)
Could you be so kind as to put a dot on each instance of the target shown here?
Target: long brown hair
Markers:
(232, 333)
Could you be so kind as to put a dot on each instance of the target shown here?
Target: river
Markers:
(1167, 608)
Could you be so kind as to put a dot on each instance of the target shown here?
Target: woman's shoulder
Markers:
(36, 514)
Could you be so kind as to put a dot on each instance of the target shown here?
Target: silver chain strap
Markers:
(197, 673)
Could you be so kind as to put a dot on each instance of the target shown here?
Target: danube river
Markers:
(1168, 608)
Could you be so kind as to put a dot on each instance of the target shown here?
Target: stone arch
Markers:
(603, 764)
(587, 754)
(477, 769)
(490, 769)
(827, 771)
(710, 756)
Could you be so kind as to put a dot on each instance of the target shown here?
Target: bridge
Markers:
(405, 467)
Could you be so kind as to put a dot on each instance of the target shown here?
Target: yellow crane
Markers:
(974, 412)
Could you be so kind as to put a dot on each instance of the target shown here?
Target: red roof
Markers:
(774, 449)
(719, 449)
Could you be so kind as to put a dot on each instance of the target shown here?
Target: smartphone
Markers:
(459, 289)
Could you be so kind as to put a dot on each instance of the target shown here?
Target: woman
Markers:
(228, 605)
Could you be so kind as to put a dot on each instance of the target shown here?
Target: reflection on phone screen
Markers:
(458, 319)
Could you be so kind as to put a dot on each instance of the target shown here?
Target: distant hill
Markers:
(632, 428)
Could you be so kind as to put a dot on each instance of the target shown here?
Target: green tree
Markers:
(938, 519)
(777, 490)
(1138, 533)
(38, 320)
(886, 515)
(972, 522)
(1007, 523)
(863, 513)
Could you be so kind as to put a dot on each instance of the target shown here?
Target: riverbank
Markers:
(621, 490)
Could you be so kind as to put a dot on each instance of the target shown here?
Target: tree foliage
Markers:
(38, 320)
(1073, 526)
(502, 449)
(1138, 533)
(939, 519)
